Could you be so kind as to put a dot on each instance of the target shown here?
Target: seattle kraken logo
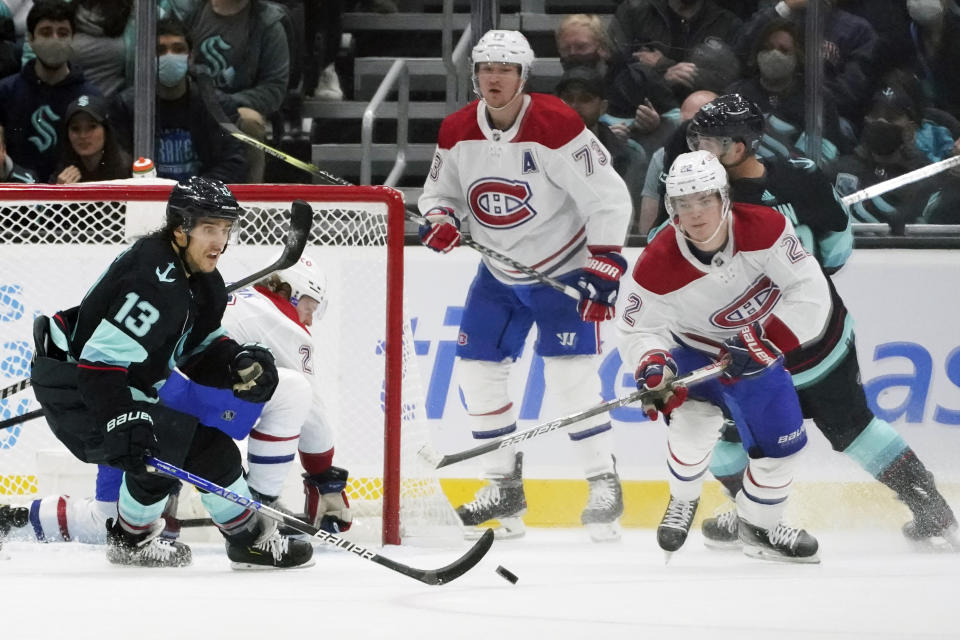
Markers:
(213, 51)
(43, 120)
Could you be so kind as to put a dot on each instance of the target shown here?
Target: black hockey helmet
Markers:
(200, 198)
(729, 116)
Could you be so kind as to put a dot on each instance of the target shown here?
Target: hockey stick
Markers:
(209, 96)
(496, 255)
(301, 220)
(895, 183)
(439, 576)
(700, 375)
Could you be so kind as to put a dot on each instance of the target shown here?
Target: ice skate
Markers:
(675, 525)
(270, 550)
(147, 549)
(720, 532)
(11, 518)
(934, 527)
(783, 544)
(274, 503)
(503, 500)
(604, 507)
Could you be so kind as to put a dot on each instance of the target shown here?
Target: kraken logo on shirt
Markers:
(42, 120)
(750, 306)
(213, 53)
(500, 203)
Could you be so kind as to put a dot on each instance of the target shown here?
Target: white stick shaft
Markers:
(895, 183)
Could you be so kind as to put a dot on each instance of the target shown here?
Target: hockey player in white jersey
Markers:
(277, 312)
(526, 178)
(727, 281)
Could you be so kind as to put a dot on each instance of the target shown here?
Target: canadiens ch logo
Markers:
(750, 306)
(500, 203)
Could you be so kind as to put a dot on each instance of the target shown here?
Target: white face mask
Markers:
(776, 65)
(925, 12)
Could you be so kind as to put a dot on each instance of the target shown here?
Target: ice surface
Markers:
(869, 585)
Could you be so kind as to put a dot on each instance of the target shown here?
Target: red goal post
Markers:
(57, 239)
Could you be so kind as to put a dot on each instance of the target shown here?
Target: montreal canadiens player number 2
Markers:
(526, 178)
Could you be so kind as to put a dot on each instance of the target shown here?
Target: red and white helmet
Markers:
(696, 172)
(306, 279)
(501, 45)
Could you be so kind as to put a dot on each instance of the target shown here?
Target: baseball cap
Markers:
(94, 106)
(587, 78)
(892, 102)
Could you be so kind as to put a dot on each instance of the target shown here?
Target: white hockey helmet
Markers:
(696, 172)
(500, 45)
(306, 279)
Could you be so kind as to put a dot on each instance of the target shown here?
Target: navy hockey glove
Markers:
(749, 353)
(128, 438)
(254, 374)
(326, 503)
(599, 284)
(441, 232)
(656, 370)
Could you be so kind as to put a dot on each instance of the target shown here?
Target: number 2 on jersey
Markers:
(140, 324)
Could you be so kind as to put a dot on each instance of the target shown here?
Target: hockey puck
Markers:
(506, 575)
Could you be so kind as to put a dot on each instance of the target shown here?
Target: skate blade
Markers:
(508, 529)
(766, 554)
(247, 566)
(722, 545)
(605, 531)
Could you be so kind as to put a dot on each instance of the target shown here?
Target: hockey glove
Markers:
(656, 370)
(254, 374)
(599, 284)
(749, 353)
(441, 232)
(326, 503)
(128, 438)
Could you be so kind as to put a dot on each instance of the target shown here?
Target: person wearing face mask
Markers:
(935, 33)
(775, 83)
(886, 150)
(188, 139)
(33, 101)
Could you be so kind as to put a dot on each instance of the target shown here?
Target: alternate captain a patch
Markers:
(529, 162)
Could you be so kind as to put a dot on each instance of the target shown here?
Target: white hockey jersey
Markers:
(763, 274)
(540, 192)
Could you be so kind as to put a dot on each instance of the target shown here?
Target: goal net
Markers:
(56, 240)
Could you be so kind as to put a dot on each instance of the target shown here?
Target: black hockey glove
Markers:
(129, 437)
(750, 353)
(254, 374)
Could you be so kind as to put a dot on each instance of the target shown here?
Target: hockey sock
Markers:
(595, 452)
(766, 485)
(905, 476)
(136, 514)
(728, 464)
(229, 516)
(877, 448)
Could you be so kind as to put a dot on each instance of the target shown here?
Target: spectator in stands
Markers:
(887, 149)
(103, 45)
(650, 199)
(9, 58)
(662, 34)
(582, 40)
(10, 171)
(945, 209)
(849, 51)
(582, 88)
(935, 31)
(33, 101)
(324, 23)
(189, 142)
(90, 150)
(242, 47)
(890, 20)
(775, 83)
(17, 10)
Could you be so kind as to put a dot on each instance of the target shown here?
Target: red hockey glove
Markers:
(441, 232)
(326, 503)
(750, 353)
(599, 284)
(656, 370)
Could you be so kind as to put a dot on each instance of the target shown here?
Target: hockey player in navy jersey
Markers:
(826, 372)
(98, 366)
(526, 178)
(725, 281)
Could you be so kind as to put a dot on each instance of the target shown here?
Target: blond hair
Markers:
(591, 21)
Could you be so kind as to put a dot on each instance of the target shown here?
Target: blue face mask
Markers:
(171, 68)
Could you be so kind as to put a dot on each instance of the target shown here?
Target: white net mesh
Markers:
(53, 250)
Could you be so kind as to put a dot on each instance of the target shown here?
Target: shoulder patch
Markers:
(549, 121)
(661, 268)
(756, 227)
